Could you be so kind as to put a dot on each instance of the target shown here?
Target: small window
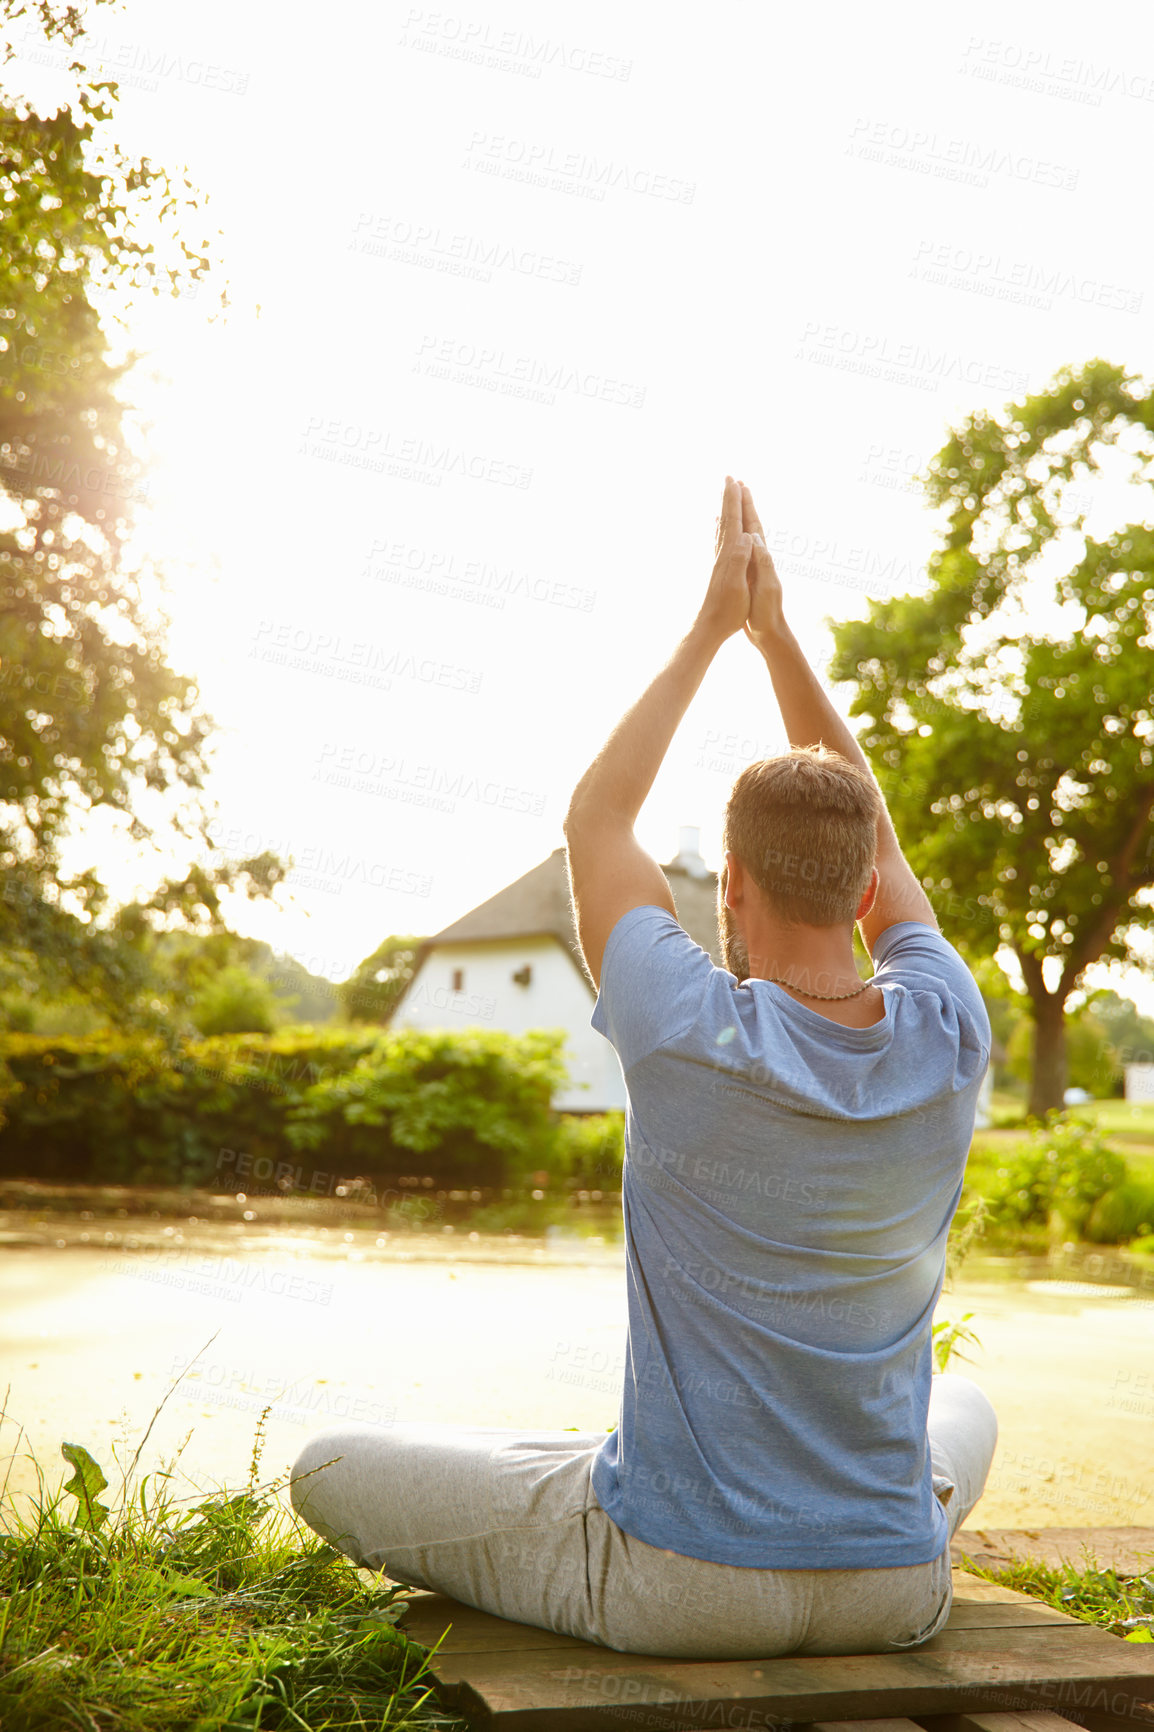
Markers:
(458, 980)
(523, 976)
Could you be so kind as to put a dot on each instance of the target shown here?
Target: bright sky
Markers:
(513, 288)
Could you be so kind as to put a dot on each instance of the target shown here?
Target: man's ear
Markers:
(732, 881)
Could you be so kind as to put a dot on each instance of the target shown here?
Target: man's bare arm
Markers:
(609, 871)
(810, 719)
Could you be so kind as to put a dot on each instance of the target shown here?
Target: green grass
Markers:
(1130, 1122)
(204, 1614)
(1122, 1604)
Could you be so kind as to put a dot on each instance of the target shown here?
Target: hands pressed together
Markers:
(744, 589)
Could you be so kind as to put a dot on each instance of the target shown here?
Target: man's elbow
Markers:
(592, 818)
(582, 814)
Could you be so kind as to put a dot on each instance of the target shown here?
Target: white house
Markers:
(1139, 1082)
(513, 963)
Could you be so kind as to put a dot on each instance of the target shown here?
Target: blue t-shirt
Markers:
(788, 1187)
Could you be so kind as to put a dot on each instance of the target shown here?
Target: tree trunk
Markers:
(1048, 1083)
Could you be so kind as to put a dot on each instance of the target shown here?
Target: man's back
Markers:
(789, 1185)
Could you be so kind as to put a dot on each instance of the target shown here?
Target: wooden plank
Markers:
(1023, 1638)
(1033, 1649)
(537, 1692)
(1000, 1651)
(1041, 1720)
(1138, 1714)
(973, 1589)
(996, 1614)
(469, 1631)
(890, 1725)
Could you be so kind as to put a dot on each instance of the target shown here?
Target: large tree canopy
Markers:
(1008, 708)
(91, 714)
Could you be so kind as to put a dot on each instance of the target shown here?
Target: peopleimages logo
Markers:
(478, 41)
(400, 241)
(385, 451)
(921, 150)
(543, 164)
(365, 771)
(357, 660)
(441, 572)
(524, 377)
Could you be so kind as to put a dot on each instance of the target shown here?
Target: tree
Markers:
(186, 966)
(1008, 707)
(1131, 1035)
(91, 715)
(1090, 1059)
(377, 985)
(301, 996)
(235, 1002)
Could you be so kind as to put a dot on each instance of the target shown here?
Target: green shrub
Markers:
(591, 1150)
(18, 1015)
(476, 1103)
(1055, 1180)
(1124, 1213)
(471, 1105)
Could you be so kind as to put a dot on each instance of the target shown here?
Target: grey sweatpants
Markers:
(507, 1521)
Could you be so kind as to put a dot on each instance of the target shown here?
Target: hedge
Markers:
(468, 1105)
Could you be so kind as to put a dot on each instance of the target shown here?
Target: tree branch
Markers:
(1090, 946)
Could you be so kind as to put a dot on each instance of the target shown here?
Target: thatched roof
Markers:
(538, 904)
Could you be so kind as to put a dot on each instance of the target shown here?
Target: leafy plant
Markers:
(86, 1482)
(1055, 1180)
(947, 1337)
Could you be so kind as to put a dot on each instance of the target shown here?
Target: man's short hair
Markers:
(805, 827)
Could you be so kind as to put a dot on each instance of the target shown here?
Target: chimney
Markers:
(688, 857)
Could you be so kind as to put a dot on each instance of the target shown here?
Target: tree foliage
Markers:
(93, 719)
(235, 1002)
(376, 986)
(1008, 708)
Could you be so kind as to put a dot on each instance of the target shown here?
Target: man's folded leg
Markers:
(507, 1521)
(492, 1517)
(963, 1434)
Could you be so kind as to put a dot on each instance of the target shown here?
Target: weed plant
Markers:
(1120, 1603)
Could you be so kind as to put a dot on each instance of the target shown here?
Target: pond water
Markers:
(102, 1315)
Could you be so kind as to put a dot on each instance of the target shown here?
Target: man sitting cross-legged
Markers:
(786, 1473)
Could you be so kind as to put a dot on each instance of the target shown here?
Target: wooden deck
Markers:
(1003, 1663)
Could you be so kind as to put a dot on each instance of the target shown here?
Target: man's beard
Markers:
(733, 945)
